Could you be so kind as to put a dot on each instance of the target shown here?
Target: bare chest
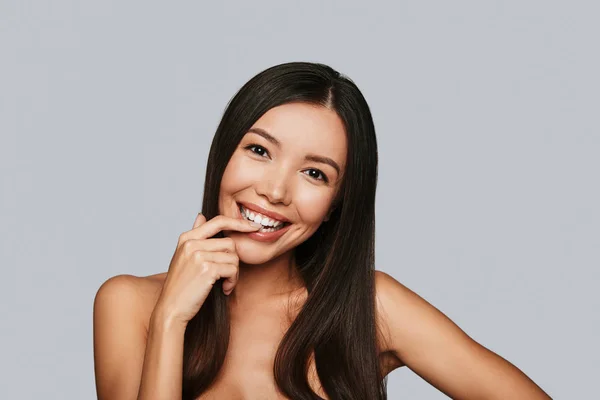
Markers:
(244, 380)
(247, 372)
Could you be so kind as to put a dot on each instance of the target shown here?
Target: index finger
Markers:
(220, 223)
(200, 219)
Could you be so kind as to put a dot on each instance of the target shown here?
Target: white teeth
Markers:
(268, 222)
(259, 218)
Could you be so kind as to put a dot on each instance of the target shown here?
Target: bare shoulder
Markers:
(405, 319)
(404, 315)
(396, 302)
(139, 293)
(386, 288)
(428, 342)
(123, 306)
(390, 295)
(386, 285)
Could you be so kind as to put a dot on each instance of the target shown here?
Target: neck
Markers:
(259, 283)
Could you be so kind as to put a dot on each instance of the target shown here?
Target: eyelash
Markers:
(324, 179)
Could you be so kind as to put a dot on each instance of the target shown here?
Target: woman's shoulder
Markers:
(400, 310)
(123, 306)
(413, 330)
(386, 288)
(138, 288)
(135, 295)
(397, 306)
(391, 295)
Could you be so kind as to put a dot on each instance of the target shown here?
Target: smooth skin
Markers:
(435, 348)
(139, 322)
(139, 348)
(144, 360)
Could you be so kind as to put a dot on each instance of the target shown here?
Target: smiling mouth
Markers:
(268, 224)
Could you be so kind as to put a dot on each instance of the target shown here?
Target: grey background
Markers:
(488, 129)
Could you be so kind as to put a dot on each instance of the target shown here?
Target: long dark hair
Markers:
(338, 319)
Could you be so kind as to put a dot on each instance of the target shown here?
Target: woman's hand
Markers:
(200, 261)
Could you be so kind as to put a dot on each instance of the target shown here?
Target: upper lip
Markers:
(263, 211)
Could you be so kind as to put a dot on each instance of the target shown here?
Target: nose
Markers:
(274, 185)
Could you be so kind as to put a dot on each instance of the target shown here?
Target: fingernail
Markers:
(255, 224)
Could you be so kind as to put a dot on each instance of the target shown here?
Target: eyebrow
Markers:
(309, 157)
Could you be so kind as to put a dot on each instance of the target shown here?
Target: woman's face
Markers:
(290, 162)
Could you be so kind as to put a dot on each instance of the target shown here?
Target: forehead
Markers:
(306, 128)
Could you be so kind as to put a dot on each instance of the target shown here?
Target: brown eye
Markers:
(256, 149)
(316, 174)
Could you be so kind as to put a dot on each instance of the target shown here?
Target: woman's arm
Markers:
(163, 362)
(138, 352)
(436, 349)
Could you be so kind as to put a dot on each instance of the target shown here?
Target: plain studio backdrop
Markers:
(487, 119)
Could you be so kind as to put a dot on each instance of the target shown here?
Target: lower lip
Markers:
(264, 236)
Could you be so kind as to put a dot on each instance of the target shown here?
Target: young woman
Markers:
(273, 293)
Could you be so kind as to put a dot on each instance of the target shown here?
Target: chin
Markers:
(250, 252)
(253, 257)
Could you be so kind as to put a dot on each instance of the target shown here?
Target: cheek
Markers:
(236, 176)
(313, 205)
